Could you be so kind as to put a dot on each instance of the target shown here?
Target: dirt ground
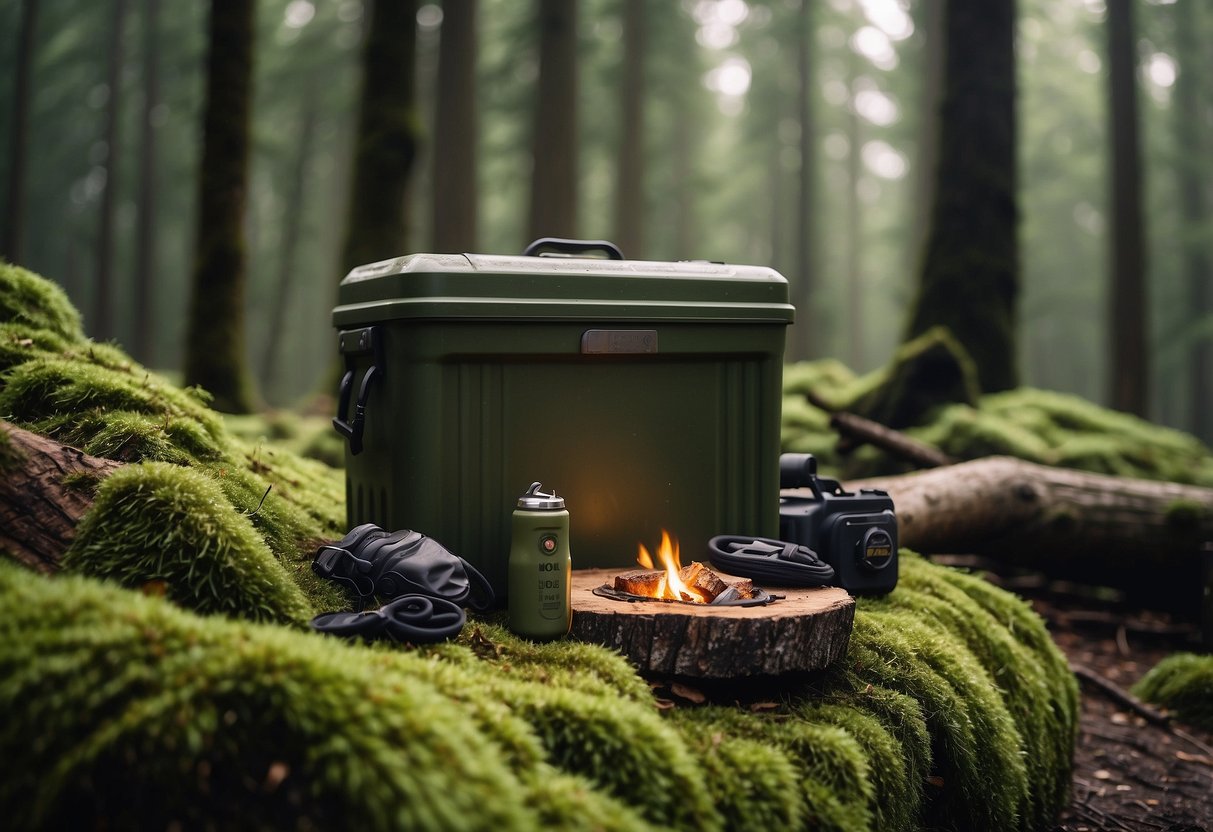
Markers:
(1131, 771)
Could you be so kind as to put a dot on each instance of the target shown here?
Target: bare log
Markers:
(807, 630)
(1143, 535)
(40, 504)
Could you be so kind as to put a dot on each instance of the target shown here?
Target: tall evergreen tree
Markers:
(970, 275)
(629, 184)
(805, 291)
(103, 299)
(215, 357)
(145, 242)
(13, 231)
(1129, 363)
(388, 135)
(553, 209)
(455, 198)
(1192, 137)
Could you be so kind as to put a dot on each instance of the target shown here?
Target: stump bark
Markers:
(39, 504)
(806, 631)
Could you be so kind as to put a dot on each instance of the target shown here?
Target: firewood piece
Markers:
(745, 587)
(39, 507)
(807, 630)
(640, 582)
(703, 580)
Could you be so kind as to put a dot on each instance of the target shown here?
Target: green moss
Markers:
(148, 716)
(1188, 514)
(61, 397)
(926, 373)
(832, 774)
(26, 298)
(1182, 683)
(1040, 702)
(156, 523)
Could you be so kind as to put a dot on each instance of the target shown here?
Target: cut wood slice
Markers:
(807, 630)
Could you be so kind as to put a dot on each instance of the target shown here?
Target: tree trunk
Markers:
(287, 284)
(553, 211)
(39, 506)
(970, 274)
(103, 300)
(13, 233)
(1129, 362)
(1192, 166)
(629, 185)
(145, 245)
(854, 268)
(455, 131)
(930, 23)
(804, 288)
(388, 135)
(215, 355)
(807, 630)
(1100, 529)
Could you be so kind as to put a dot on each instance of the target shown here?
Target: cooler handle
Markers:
(352, 344)
(546, 246)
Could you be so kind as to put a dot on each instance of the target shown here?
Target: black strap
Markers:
(770, 561)
(413, 619)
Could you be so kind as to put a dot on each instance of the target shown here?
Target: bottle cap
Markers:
(536, 499)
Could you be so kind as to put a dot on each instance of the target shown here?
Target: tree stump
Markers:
(807, 630)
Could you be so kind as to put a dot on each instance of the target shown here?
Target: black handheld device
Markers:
(856, 533)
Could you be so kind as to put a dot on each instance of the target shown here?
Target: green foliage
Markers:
(1036, 425)
(1182, 683)
(161, 523)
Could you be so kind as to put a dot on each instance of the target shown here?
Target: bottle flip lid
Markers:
(536, 499)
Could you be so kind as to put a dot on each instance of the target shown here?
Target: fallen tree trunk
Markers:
(45, 489)
(1096, 528)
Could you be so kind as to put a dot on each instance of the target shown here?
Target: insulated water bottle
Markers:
(540, 567)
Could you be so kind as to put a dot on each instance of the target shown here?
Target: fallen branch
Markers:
(40, 503)
(855, 430)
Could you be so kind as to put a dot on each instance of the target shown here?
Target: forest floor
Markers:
(1131, 771)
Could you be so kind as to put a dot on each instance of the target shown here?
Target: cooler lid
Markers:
(480, 286)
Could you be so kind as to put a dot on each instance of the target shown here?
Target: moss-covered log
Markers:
(1108, 530)
(45, 488)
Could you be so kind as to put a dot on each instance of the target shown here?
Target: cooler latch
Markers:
(353, 344)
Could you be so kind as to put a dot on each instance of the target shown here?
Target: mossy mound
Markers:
(1182, 683)
(1037, 425)
(926, 373)
(55, 382)
(162, 525)
(158, 714)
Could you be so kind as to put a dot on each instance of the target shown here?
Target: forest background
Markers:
(732, 96)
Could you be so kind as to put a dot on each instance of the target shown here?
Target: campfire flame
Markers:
(672, 587)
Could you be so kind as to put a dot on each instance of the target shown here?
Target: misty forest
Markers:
(995, 222)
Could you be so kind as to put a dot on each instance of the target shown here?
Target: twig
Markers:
(1121, 696)
(1118, 694)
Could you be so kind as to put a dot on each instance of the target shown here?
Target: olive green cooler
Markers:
(646, 394)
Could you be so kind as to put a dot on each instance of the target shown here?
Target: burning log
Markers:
(638, 582)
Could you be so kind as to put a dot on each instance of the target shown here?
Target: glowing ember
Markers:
(671, 586)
